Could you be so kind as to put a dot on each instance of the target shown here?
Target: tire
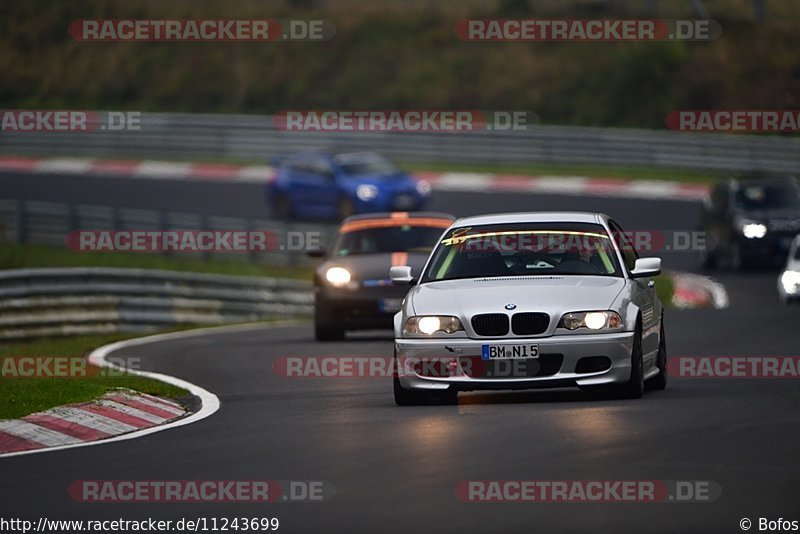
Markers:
(325, 331)
(634, 387)
(708, 261)
(737, 261)
(411, 397)
(283, 207)
(659, 381)
(345, 208)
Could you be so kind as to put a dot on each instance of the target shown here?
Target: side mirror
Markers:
(401, 275)
(318, 253)
(646, 267)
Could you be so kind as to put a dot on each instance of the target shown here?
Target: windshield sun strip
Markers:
(394, 223)
(462, 238)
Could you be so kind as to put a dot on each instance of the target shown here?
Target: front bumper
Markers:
(402, 201)
(771, 248)
(462, 355)
(360, 309)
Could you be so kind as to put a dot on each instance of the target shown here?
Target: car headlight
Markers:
(337, 276)
(430, 324)
(424, 188)
(753, 229)
(593, 320)
(790, 280)
(366, 192)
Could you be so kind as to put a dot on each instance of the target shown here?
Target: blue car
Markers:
(322, 185)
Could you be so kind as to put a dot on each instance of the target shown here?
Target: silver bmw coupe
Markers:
(530, 300)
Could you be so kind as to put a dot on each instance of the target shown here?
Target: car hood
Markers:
(768, 215)
(374, 266)
(552, 294)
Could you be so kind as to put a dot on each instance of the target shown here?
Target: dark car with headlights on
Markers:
(352, 288)
(750, 222)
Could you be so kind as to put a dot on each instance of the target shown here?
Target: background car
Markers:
(335, 185)
(553, 292)
(751, 221)
(789, 279)
(352, 288)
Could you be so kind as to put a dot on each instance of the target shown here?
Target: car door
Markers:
(313, 185)
(643, 295)
(324, 186)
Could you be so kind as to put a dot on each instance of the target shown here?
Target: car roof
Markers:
(330, 152)
(534, 216)
(396, 219)
(400, 215)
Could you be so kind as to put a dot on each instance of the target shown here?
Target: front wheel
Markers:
(413, 397)
(326, 331)
(634, 387)
(283, 207)
(739, 260)
(707, 260)
(659, 381)
(345, 208)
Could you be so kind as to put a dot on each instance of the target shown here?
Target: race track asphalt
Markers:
(395, 469)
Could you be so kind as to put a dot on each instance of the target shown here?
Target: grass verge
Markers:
(14, 256)
(665, 288)
(22, 396)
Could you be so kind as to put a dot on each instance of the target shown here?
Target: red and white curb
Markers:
(696, 291)
(116, 413)
(209, 403)
(440, 181)
(565, 185)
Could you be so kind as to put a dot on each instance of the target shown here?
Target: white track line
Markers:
(210, 402)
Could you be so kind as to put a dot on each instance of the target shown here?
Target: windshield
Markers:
(767, 197)
(523, 250)
(365, 163)
(403, 238)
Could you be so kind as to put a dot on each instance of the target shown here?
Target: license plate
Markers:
(390, 305)
(509, 352)
(403, 201)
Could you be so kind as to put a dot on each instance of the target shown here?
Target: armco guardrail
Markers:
(81, 300)
(254, 138)
(29, 221)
